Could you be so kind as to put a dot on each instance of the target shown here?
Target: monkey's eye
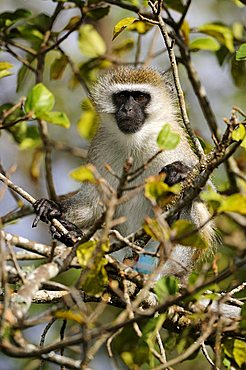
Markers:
(141, 98)
(119, 98)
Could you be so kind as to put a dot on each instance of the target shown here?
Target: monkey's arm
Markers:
(77, 211)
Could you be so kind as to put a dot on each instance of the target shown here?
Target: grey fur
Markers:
(111, 146)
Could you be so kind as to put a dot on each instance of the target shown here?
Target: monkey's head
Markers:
(132, 98)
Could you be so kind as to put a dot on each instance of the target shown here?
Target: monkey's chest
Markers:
(134, 211)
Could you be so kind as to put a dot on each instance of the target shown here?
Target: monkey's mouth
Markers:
(129, 125)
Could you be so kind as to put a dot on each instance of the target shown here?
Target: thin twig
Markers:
(187, 6)
(75, 151)
(76, 72)
(15, 262)
(188, 352)
(20, 59)
(205, 352)
(169, 45)
(42, 340)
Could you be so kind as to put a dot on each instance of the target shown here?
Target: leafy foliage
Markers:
(84, 173)
(94, 278)
(4, 69)
(49, 76)
(167, 139)
(122, 25)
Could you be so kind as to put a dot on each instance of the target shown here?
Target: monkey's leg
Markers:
(46, 210)
(181, 259)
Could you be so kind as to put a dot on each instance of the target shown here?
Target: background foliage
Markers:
(51, 53)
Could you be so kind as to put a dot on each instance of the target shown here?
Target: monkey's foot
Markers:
(74, 233)
(46, 210)
(175, 172)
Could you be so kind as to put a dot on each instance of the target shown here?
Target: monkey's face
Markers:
(130, 111)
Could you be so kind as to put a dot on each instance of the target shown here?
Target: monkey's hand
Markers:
(46, 210)
(175, 172)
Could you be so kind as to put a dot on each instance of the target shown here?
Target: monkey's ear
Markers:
(175, 172)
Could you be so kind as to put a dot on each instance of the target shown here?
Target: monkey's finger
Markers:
(36, 221)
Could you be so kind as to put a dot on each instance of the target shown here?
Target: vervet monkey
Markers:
(133, 105)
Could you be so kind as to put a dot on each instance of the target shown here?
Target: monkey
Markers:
(133, 105)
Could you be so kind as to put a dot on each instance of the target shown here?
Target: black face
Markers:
(130, 110)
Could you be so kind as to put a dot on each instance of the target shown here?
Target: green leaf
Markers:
(140, 27)
(159, 192)
(88, 122)
(231, 203)
(177, 5)
(94, 282)
(234, 203)
(29, 143)
(39, 101)
(31, 33)
(185, 30)
(72, 22)
(237, 30)
(77, 316)
(211, 196)
(167, 139)
(122, 25)
(84, 173)
(4, 69)
(24, 74)
(222, 55)
(235, 349)
(5, 73)
(91, 44)
(243, 143)
(166, 286)
(25, 135)
(89, 70)
(151, 329)
(239, 133)
(57, 118)
(222, 33)
(18, 131)
(98, 13)
(204, 43)
(41, 21)
(186, 234)
(58, 67)
(5, 65)
(153, 228)
(243, 320)
(238, 72)
(85, 252)
(128, 359)
(227, 363)
(7, 19)
(90, 257)
(241, 52)
(240, 3)
(31, 138)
